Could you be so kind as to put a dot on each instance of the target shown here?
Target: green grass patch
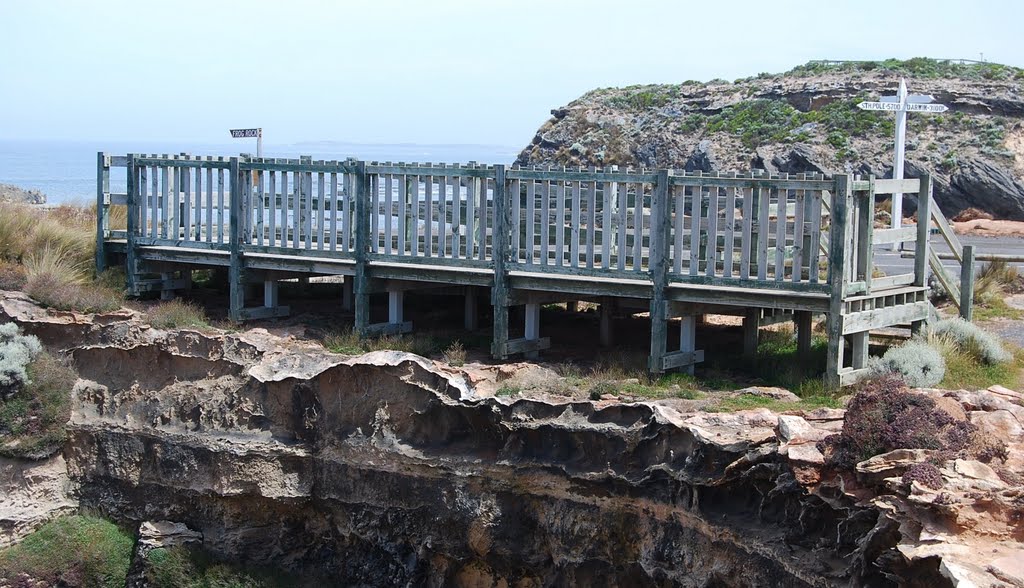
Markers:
(752, 401)
(347, 342)
(33, 419)
(179, 567)
(71, 551)
(964, 371)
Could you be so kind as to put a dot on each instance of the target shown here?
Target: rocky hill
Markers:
(11, 193)
(806, 120)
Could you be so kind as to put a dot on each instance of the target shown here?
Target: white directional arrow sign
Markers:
(901, 104)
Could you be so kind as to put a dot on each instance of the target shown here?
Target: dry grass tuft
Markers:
(177, 314)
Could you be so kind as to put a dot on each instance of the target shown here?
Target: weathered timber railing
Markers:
(802, 242)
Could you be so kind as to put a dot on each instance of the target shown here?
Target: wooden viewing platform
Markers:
(767, 248)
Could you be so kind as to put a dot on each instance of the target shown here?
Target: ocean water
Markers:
(66, 171)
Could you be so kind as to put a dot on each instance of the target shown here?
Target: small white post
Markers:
(532, 326)
(259, 142)
(395, 299)
(270, 293)
(688, 337)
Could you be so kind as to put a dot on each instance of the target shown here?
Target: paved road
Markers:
(892, 264)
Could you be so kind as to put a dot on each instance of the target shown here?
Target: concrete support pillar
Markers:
(165, 293)
(532, 326)
(270, 293)
(395, 303)
(688, 337)
(573, 306)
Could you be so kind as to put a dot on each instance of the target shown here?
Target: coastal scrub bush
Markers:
(16, 351)
(177, 314)
(51, 291)
(70, 551)
(970, 338)
(183, 567)
(455, 354)
(925, 474)
(884, 415)
(918, 364)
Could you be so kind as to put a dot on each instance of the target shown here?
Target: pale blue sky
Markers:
(445, 71)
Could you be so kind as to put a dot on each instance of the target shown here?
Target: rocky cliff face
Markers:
(806, 121)
(9, 193)
(388, 469)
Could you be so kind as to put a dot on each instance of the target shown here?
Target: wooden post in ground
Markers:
(607, 321)
(346, 293)
(102, 211)
(658, 269)
(236, 284)
(362, 278)
(803, 320)
(132, 262)
(840, 235)
(470, 310)
(967, 284)
(751, 325)
(500, 290)
(923, 244)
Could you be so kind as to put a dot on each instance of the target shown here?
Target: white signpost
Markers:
(250, 134)
(901, 104)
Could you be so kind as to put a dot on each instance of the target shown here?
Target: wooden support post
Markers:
(470, 314)
(346, 293)
(967, 284)
(165, 292)
(607, 321)
(102, 211)
(270, 290)
(500, 290)
(751, 325)
(859, 344)
(132, 262)
(573, 306)
(923, 244)
(532, 326)
(236, 282)
(396, 311)
(839, 241)
(688, 338)
(658, 268)
(362, 278)
(803, 320)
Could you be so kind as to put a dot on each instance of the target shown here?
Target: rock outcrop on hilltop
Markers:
(10, 193)
(806, 121)
(389, 469)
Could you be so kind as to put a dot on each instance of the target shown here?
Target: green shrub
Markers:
(455, 354)
(917, 363)
(16, 351)
(52, 291)
(970, 338)
(181, 567)
(70, 551)
(177, 314)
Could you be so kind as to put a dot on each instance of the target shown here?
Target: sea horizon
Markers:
(65, 170)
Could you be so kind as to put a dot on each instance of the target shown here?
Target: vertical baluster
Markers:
(531, 220)
(814, 255)
(272, 189)
(591, 220)
(307, 209)
(763, 231)
(333, 206)
(456, 214)
(559, 224)
(574, 247)
(798, 234)
(209, 199)
(747, 232)
(481, 208)
(712, 239)
(321, 193)
(443, 224)
(545, 220)
(285, 205)
(471, 187)
(696, 206)
(220, 202)
(143, 199)
(388, 218)
(781, 215)
(730, 230)
(607, 230)
(622, 211)
(677, 194)
(516, 202)
(412, 205)
(638, 227)
(428, 213)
